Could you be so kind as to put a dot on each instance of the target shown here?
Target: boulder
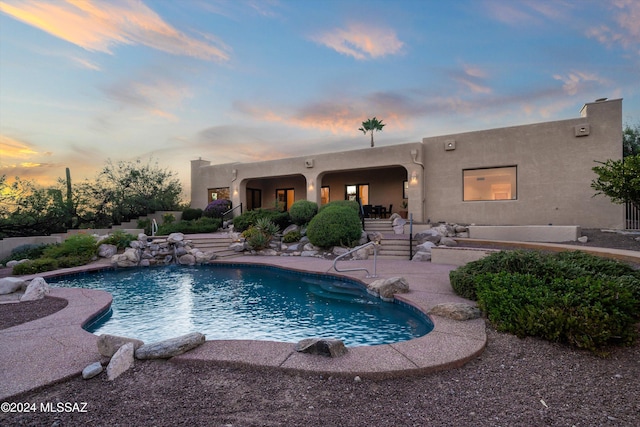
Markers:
(121, 361)
(456, 311)
(583, 239)
(268, 252)
(321, 346)
(237, 246)
(386, 288)
(448, 241)
(107, 251)
(339, 250)
(142, 237)
(204, 257)
(92, 370)
(187, 259)
(308, 253)
(13, 262)
(171, 347)
(109, 344)
(421, 256)
(175, 237)
(310, 247)
(9, 285)
(425, 247)
(36, 290)
(375, 236)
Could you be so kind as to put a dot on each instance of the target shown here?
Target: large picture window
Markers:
(490, 184)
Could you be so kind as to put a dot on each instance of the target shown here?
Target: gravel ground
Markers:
(515, 382)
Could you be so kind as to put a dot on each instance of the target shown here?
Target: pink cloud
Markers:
(99, 26)
(361, 41)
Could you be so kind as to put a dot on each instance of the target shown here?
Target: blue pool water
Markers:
(245, 302)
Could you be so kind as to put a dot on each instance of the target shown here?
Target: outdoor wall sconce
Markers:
(414, 178)
(235, 191)
(310, 186)
(234, 174)
(449, 145)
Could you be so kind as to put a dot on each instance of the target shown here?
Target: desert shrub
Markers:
(351, 204)
(217, 208)
(586, 312)
(168, 218)
(27, 251)
(292, 236)
(302, 211)
(35, 266)
(335, 226)
(249, 218)
(202, 225)
(82, 245)
(119, 238)
(191, 213)
(256, 238)
(520, 261)
(145, 224)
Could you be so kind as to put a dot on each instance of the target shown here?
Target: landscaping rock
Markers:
(386, 288)
(421, 256)
(321, 346)
(583, 239)
(456, 311)
(204, 257)
(339, 250)
(237, 246)
(448, 241)
(175, 237)
(13, 262)
(425, 247)
(290, 229)
(268, 252)
(171, 347)
(9, 285)
(121, 361)
(107, 251)
(109, 344)
(36, 290)
(92, 370)
(187, 259)
(308, 253)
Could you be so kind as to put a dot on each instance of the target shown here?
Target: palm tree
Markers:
(370, 126)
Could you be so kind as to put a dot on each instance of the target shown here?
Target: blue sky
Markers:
(85, 81)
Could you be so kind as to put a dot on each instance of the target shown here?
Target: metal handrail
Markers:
(375, 258)
(154, 227)
(232, 209)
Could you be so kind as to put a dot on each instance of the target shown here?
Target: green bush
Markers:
(191, 213)
(202, 225)
(335, 226)
(119, 238)
(82, 245)
(302, 211)
(256, 238)
(168, 218)
(587, 312)
(28, 251)
(145, 224)
(571, 297)
(292, 236)
(351, 204)
(249, 218)
(35, 266)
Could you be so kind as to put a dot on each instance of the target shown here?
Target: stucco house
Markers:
(535, 174)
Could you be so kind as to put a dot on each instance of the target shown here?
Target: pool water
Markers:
(245, 302)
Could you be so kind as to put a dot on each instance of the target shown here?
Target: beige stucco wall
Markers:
(554, 171)
(313, 168)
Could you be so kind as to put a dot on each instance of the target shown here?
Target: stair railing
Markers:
(357, 248)
(154, 227)
(231, 210)
(410, 237)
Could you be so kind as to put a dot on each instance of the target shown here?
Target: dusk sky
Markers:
(235, 81)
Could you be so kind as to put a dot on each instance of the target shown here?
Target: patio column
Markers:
(313, 187)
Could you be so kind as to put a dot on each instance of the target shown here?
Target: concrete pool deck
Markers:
(55, 347)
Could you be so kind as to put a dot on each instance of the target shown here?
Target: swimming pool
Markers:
(232, 302)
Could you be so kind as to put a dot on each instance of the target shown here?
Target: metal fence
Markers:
(633, 217)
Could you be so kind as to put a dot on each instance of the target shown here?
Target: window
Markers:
(285, 198)
(324, 195)
(490, 184)
(358, 192)
(218, 193)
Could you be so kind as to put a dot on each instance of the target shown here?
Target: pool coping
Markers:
(55, 347)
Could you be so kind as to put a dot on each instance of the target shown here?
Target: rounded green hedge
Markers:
(302, 212)
(335, 226)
